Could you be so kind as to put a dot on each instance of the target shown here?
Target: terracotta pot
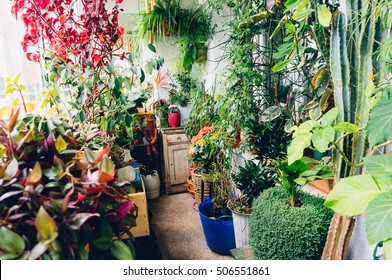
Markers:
(174, 119)
(324, 186)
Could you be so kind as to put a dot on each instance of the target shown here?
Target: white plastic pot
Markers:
(241, 229)
(152, 185)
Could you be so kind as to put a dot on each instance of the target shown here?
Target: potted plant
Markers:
(319, 176)
(151, 181)
(250, 180)
(209, 150)
(57, 203)
(174, 116)
(286, 223)
(216, 218)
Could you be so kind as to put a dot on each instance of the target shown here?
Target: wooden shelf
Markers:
(144, 114)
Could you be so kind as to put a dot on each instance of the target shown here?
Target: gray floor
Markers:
(178, 229)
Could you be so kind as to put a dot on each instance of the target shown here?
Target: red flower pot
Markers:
(174, 119)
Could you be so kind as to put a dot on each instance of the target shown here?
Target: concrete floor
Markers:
(178, 229)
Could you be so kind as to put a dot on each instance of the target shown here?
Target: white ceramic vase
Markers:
(152, 185)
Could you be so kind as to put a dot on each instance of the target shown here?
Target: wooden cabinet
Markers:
(175, 151)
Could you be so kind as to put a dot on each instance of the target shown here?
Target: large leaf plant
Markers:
(58, 198)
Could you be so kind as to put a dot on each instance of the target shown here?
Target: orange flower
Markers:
(196, 138)
(206, 130)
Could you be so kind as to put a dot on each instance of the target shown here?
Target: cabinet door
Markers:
(178, 164)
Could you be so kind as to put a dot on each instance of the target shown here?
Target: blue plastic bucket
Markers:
(219, 233)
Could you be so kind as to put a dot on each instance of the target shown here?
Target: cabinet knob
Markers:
(179, 138)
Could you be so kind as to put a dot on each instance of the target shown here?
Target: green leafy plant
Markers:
(287, 175)
(58, 199)
(347, 129)
(251, 180)
(192, 26)
(319, 170)
(281, 232)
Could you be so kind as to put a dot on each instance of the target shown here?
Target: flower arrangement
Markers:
(201, 150)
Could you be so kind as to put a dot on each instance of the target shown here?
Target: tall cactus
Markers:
(351, 69)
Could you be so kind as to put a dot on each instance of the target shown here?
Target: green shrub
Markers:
(281, 232)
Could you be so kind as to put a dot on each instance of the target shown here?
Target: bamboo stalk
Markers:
(147, 6)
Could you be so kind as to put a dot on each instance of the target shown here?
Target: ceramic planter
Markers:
(152, 185)
(241, 229)
(174, 119)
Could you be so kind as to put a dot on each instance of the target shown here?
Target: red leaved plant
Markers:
(54, 203)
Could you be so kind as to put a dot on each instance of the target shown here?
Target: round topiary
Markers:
(281, 232)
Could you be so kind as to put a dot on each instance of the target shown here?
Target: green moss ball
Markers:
(281, 232)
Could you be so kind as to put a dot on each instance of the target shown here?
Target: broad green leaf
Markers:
(352, 195)
(118, 83)
(345, 127)
(280, 65)
(126, 173)
(271, 113)
(106, 165)
(9, 256)
(380, 124)
(127, 83)
(11, 242)
(379, 218)
(321, 138)
(148, 68)
(303, 5)
(131, 57)
(324, 15)
(35, 175)
(281, 23)
(121, 251)
(302, 14)
(296, 149)
(82, 116)
(319, 78)
(45, 225)
(324, 100)
(291, 4)
(329, 117)
(142, 76)
(380, 167)
(12, 168)
(283, 50)
(152, 48)
(45, 102)
(387, 249)
(110, 68)
(103, 243)
(60, 144)
(90, 155)
(134, 70)
(306, 127)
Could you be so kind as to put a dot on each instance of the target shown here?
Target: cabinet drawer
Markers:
(176, 138)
